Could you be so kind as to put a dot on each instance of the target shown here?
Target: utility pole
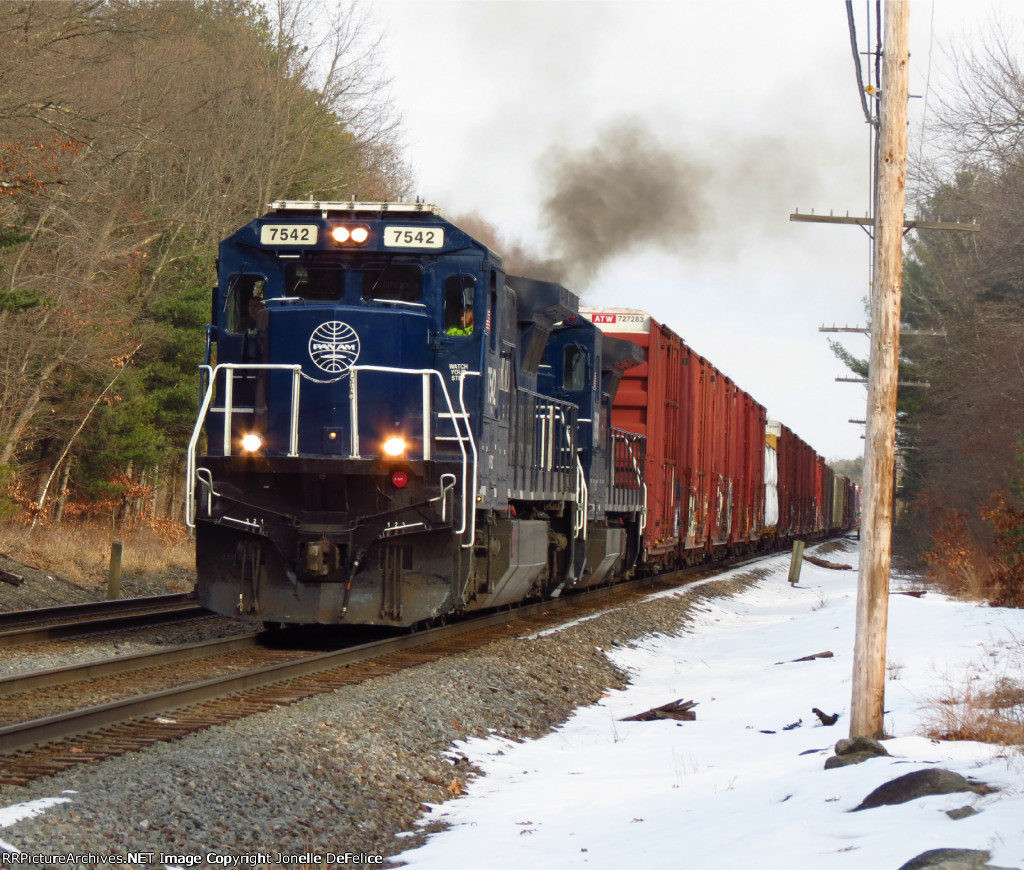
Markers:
(867, 704)
(886, 229)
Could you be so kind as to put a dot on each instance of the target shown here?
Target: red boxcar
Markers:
(801, 482)
(705, 443)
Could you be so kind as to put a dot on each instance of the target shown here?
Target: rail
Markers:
(125, 664)
(38, 632)
(91, 610)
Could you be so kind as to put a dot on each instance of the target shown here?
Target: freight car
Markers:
(392, 429)
(721, 478)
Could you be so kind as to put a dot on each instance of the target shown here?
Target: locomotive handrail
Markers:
(447, 485)
(629, 442)
(210, 373)
(540, 460)
(476, 465)
(627, 480)
(582, 501)
(426, 374)
(579, 522)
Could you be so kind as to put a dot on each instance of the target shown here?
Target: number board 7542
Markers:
(413, 237)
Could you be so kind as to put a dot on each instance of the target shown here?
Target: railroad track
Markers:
(49, 744)
(63, 689)
(22, 627)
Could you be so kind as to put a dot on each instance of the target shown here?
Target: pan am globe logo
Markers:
(334, 347)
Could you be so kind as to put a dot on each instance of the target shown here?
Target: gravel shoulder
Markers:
(41, 588)
(344, 772)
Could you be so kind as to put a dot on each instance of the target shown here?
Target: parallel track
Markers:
(124, 664)
(92, 609)
(18, 628)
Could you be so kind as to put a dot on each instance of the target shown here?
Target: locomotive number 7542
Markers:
(288, 234)
(413, 237)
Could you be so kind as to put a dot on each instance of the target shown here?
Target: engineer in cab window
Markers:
(464, 325)
(255, 307)
(458, 304)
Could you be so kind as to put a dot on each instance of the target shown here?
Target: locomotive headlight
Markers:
(394, 447)
(350, 235)
(251, 442)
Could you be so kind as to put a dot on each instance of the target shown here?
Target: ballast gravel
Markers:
(338, 773)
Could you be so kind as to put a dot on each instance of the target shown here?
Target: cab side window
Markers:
(458, 304)
(574, 368)
(244, 302)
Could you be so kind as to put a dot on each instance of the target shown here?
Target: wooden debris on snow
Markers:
(827, 654)
(823, 563)
(673, 710)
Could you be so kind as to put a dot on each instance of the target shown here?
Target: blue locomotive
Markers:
(392, 429)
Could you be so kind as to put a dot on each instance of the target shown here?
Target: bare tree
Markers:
(136, 136)
(979, 117)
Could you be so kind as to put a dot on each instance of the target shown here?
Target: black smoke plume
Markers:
(625, 192)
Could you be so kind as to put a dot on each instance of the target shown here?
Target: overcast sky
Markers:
(723, 115)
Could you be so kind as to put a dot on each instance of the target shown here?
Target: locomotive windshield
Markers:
(324, 283)
(393, 282)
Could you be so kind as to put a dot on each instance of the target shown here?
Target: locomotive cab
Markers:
(338, 427)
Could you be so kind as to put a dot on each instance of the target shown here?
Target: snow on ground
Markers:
(12, 814)
(719, 791)
(735, 787)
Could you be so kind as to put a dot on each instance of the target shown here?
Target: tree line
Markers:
(133, 137)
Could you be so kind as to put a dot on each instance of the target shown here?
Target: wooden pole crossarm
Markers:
(866, 330)
(813, 218)
(956, 226)
(866, 221)
(925, 385)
